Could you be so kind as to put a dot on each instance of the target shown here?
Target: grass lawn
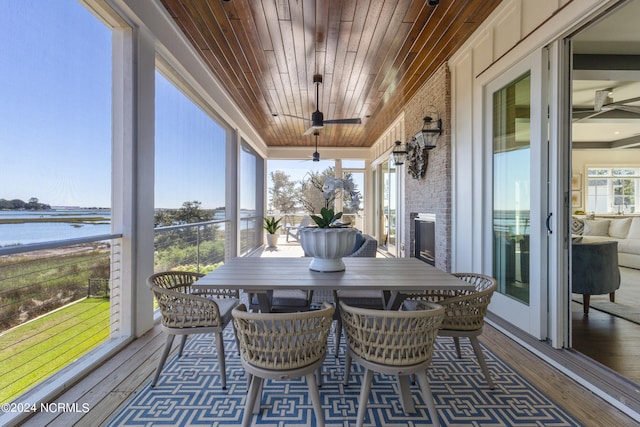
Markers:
(32, 352)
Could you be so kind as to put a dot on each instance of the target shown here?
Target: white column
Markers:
(133, 174)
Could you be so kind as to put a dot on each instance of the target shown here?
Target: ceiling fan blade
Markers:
(622, 102)
(584, 115)
(292, 116)
(629, 108)
(355, 121)
(311, 130)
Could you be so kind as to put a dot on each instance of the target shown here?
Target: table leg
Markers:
(395, 300)
(264, 303)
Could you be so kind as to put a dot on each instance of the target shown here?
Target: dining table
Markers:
(259, 275)
(256, 275)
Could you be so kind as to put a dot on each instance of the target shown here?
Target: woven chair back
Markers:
(179, 307)
(282, 341)
(182, 281)
(179, 281)
(464, 309)
(394, 338)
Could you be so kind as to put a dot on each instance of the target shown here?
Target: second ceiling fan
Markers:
(603, 103)
(317, 118)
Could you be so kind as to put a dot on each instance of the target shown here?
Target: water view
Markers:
(22, 227)
(27, 227)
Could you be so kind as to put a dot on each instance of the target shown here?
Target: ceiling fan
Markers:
(317, 118)
(603, 102)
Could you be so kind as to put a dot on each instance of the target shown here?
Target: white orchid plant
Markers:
(328, 218)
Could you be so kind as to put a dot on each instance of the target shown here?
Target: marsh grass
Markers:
(41, 282)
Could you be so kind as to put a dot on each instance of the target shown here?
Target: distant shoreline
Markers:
(81, 220)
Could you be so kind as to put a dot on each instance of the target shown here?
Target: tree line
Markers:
(16, 204)
(188, 246)
(289, 196)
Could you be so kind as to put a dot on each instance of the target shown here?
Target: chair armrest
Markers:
(368, 248)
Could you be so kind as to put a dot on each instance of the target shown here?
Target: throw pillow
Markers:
(358, 242)
(619, 228)
(634, 229)
(596, 227)
(577, 225)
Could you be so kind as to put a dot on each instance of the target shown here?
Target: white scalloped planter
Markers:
(327, 246)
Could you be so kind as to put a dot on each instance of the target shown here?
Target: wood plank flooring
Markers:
(586, 407)
(610, 340)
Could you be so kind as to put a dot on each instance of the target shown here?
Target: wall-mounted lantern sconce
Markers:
(428, 135)
(399, 154)
(416, 151)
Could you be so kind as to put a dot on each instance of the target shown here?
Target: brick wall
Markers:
(431, 194)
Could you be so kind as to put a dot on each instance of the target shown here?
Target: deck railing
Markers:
(47, 319)
(194, 247)
(59, 300)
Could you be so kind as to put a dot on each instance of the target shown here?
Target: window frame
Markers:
(610, 177)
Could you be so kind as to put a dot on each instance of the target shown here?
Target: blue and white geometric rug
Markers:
(189, 393)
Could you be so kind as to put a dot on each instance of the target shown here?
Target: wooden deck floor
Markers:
(112, 384)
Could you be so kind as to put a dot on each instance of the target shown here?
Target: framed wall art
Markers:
(576, 199)
(576, 181)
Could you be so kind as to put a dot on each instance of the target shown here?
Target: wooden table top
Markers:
(260, 274)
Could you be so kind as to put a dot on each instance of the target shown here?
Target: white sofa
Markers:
(625, 231)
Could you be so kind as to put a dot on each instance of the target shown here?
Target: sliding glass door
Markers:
(517, 145)
(389, 209)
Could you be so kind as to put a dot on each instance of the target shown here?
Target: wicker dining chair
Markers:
(391, 342)
(465, 311)
(281, 346)
(368, 298)
(185, 312)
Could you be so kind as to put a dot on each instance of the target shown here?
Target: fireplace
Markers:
(425, 237)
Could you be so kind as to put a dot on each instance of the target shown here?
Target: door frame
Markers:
(559, 317)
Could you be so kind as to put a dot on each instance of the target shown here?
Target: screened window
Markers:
(351, 215)
(56, 304)
(250, 220)
(613, 190)
(190, 151)
(55, 122)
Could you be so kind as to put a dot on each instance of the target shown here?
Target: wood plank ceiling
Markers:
(373, 55)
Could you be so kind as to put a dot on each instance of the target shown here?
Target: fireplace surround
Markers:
(425, 237)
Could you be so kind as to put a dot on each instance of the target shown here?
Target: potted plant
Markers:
(271, 226)
(331, 239)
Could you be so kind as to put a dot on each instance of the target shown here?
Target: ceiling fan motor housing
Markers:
(317, 119)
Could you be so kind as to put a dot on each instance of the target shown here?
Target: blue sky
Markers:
(53, 136)
(190, 151)
(55, 115)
